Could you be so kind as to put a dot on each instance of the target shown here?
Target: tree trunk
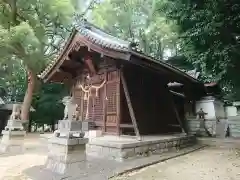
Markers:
(53, 126)
(28, 96)
(30, 125)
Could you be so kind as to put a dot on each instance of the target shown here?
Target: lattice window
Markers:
(98, 105)
(112, 97)
(112, 76)
(111, 118)
(77, 96)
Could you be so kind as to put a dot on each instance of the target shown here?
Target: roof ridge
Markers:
(88, 25)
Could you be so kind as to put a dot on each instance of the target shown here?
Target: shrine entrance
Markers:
(97, 99)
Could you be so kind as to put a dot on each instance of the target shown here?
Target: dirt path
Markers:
(207, 164)
(12, 167)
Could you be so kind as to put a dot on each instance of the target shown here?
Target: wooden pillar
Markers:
(131, 111)
(118, 102)
(104, 104)
(176, 113)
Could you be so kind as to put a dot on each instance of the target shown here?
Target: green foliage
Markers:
(47, 103)
(180, 62)
(136, 21)
(13, 80)
(31, 34)
(33, 30)
(209, 32)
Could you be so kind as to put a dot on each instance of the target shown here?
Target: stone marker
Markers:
(13, 135)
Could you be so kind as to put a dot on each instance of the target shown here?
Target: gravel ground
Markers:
(207, 164)
(12, 166)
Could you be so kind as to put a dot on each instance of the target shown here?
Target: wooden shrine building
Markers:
(120, 88)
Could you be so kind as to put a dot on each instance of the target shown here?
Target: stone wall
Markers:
(141, 149)
(233, 123)
(194, 126)
(234, 126)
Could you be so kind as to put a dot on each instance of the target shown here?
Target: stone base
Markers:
(93, 134)
(234, 126)
(64, 154)
(12, 141)
(123, 148)
(14, 125)
(194, 126)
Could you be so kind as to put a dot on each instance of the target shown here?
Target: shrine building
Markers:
(121, 89)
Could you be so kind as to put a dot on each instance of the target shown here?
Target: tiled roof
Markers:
(101, 38)
(58, 57)
(98, 37)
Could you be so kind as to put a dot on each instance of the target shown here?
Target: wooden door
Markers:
(112, 103)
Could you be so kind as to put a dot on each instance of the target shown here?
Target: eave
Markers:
(56, 63)
(105, 44)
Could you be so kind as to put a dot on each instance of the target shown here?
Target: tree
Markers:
(47, 104)
(13, 81)
(31, 33)
(136, 21)
(209, 32)
(180, 62)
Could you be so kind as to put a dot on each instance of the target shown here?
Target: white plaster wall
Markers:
(231, 111)
(208, 107)
(219, 109)
(238, 110)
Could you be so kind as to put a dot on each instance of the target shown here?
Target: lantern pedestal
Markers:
(13, 137)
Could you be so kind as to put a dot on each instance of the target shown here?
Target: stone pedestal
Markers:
(234, 126)
(195, 126)
(13, 137)
(202, 131)
(69, 128)
(65, 154)
(14, 125)
(12, 141)
(93, 134)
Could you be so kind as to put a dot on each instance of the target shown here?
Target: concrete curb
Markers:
(158, 161)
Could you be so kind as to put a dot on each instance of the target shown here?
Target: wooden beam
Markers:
(177, 94)
(172, 75)
(118, 102)
(177, 115)
(131, 111)
(90, 65)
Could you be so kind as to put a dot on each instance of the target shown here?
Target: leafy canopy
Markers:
(209, 32)
(32, 30)
(136, 21)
